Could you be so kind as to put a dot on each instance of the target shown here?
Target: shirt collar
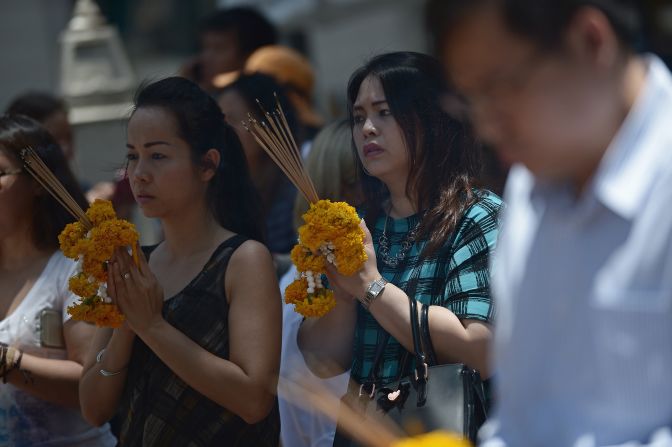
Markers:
(627, 170)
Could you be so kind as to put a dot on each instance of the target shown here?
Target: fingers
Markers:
(121, 292)
(367, 234)
(125, 262)
(143, 265)
(111, 285)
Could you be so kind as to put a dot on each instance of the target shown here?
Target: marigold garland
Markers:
(92, 249)
(433, 439)
(331, 234)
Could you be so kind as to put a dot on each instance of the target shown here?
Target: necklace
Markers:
(384, 245)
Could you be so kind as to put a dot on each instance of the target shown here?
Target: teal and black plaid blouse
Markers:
(456, 277)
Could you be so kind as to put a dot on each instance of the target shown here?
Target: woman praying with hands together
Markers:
(196, 360)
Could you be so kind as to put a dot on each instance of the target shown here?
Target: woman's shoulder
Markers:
(481, 218)
(487, 206)
(248, 253)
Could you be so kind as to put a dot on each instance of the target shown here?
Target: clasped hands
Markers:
(135, 290)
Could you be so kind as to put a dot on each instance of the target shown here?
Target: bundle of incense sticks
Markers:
(275, 137)
(36, 167)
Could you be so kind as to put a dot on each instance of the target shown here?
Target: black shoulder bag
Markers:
(446, 397)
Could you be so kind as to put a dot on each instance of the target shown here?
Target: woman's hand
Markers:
(357, 284)
(135, 290)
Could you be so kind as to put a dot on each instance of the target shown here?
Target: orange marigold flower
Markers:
(94, 248)
(81, 286)
(100, 211)
(70, 239)
(296, 291)
(316, 304)
(305, 260)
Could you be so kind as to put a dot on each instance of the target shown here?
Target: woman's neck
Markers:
(400, 204)
(191, 233)
(18, 251)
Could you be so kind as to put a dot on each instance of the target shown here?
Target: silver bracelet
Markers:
(104, 372)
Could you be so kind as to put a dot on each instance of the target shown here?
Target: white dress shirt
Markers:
(583, 339)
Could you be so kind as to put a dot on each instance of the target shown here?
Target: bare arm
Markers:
(326, 343)
(100, 395)
(56, 381)
(454, 340)
(245, 383)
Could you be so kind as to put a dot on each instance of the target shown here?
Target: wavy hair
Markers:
(443, 154)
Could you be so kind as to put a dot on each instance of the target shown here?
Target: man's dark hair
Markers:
(251, 28)
(36, 105)
(543, 21)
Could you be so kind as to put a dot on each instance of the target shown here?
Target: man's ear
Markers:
(591, 35)
(210, 164)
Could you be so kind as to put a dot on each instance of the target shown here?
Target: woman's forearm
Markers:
(453, 341)
(52, 380)
(99, 394)
(326, 342)
(222, 381)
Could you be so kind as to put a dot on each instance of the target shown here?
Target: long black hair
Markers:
(443, 154)
(49, 217)
(231, 196)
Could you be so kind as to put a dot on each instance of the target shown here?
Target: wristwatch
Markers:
(372, 292)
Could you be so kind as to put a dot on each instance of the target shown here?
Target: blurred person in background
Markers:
(41, 348)
(432, 232)
(237, 100)
(49, 111)
(294, 72)
(583, 272)
(227, 38)
(52, 113)
(331, 166)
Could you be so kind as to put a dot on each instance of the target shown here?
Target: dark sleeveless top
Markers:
(160, 409)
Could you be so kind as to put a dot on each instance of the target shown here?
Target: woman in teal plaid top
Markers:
(432, 232)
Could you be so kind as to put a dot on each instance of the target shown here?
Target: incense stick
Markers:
(372, 431)
(43, 175)
(273, 134)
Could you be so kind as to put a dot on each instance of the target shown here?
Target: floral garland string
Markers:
(331, 234)
(92, 249)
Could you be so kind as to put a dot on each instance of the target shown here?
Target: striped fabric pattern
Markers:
(456, 277)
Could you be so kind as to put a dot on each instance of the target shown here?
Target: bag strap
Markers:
(421, 372)
(426, 337)
(368, 387)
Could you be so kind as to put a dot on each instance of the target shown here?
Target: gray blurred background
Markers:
(159, 35)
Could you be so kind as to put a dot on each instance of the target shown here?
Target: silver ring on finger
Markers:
(127, 275)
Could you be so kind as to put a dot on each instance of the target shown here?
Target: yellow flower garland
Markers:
(433, 439)
(93, 249)
(331, 234)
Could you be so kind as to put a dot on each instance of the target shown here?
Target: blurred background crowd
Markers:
(95, 54)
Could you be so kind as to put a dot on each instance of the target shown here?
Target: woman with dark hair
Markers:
(41, 349)
(432, 230)
(195, 361)
(237, 100)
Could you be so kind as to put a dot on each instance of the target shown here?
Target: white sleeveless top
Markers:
(36, 328)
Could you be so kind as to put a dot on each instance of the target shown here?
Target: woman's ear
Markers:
(211, 161)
